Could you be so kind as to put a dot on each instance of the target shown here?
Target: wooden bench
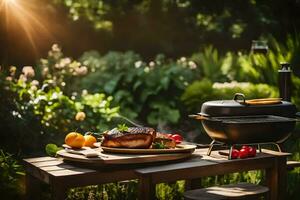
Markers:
(233, 191)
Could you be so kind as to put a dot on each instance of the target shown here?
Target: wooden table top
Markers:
(205, 165)
(46, 168)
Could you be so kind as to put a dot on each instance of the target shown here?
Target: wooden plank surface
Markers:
(200, 160)
(39, 159)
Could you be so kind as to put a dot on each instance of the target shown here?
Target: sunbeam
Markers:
(22, 15)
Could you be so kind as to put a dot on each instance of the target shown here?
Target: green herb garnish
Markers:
(122, 127)
(158, 145)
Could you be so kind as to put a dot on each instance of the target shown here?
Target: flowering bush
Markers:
(34, 112)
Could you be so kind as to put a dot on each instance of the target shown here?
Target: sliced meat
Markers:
(134, 137)
(165, 140)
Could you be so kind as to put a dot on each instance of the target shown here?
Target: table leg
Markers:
(33, 187)
(193, 184)
(276, 178)
(59, 191)
(146, 189)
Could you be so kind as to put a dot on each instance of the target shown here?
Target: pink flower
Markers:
(81, 71)
(8, 78)
(28, 71)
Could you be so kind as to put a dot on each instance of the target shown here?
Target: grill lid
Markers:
(221, 108)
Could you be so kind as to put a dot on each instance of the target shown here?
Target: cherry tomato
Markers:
(235, 154)
(178, 138)
(245, 147)
(252, 151)
(243, 153)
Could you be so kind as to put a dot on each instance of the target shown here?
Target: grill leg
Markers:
(230, 152)
(211, 145)
(259, 148)
(278, 147)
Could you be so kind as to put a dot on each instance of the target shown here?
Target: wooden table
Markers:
(273, 162)
(62, 176)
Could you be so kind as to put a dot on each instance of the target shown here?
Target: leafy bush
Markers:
(145, 91)
(201, 91)
(11, 174)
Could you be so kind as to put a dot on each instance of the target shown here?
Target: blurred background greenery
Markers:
(84, 64)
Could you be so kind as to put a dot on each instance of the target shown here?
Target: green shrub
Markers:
(146, 91)
(11, 174)
(201, 91)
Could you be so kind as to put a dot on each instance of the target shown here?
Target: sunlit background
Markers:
(28, 28)
(21, 17)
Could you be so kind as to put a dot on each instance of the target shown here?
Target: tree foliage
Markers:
(187, 23)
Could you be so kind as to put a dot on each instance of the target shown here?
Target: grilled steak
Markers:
(134, 138)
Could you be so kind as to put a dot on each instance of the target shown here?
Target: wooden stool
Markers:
(233, 191)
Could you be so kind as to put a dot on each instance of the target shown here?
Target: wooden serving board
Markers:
(121, 158)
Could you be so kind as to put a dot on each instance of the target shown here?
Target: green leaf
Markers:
(51, 149)
(122, 127)
(110, 86)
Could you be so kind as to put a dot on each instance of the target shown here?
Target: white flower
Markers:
(12, 70)
(232, 84)
(45, 71)
(28, 71)
(35, 82)
(22, 77)
(151, 64)
(84, 92)
(55, 47)
(192, 65)
(138, 64)
(33, 88)
(147, 69)
(183, 59)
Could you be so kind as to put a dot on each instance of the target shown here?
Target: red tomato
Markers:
(252, 151)
(245, 147)
(178, 138)
(235, 154)
(243, 153)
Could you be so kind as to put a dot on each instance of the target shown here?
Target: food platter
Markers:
(181, 148)
(113, 156)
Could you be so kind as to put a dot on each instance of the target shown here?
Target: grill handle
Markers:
(240, 98)
(202, 117)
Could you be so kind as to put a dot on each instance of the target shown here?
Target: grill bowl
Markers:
(249, 129)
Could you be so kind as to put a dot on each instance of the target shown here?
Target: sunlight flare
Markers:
(22, 15)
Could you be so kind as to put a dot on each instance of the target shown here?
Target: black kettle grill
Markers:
(238, 121)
